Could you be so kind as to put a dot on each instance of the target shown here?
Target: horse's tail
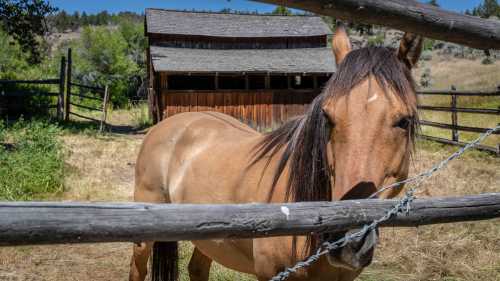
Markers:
(164, 263)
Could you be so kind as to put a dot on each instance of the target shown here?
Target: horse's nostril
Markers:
(360, 191)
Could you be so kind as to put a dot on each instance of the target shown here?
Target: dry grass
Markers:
(461, 251)
(101, 169)
(465, 75)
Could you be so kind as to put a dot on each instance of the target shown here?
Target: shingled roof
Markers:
(232, 25)
(308, 60)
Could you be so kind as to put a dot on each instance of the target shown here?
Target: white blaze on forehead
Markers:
(373, 98)
(285, 211)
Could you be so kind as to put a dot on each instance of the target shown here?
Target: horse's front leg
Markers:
(139, 262)
(199, 266)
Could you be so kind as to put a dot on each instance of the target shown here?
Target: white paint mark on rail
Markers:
(285, 211)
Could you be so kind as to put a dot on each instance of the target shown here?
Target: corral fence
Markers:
(31, 223)
(69, 94)
(454, 124)
(85, 93)
(13, 92)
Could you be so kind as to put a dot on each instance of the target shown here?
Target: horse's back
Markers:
(202, 144)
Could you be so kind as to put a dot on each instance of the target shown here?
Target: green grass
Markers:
(140, 115)
(31, 160)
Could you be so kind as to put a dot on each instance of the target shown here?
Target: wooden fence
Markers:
(454, 109)
(29, 223)
(410, 16)
(65, 94)
(6, 93)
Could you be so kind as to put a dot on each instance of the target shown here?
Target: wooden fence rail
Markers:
(459, 93)
(454, 125)
(29, 223)
(46, 81)
(39, 82)
(408, 15)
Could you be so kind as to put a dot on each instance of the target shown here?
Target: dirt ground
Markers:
(100, 168)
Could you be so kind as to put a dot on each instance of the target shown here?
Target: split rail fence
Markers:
(454, 125)
(31, 223)
(66, 96)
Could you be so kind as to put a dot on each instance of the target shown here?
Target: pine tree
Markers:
(487, 9)
(434, 3)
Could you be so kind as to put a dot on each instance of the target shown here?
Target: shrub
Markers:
(31, 160)
(487, 60)
(377, 40)
(426, 78)
(426, 56)
(428, 44)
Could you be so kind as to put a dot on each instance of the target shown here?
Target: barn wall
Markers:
(261, 109)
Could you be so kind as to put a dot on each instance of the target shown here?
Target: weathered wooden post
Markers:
(67, 96)
(62, 82)
(104, 108)
(454, 115)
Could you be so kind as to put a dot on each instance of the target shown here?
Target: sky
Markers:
(95, 6)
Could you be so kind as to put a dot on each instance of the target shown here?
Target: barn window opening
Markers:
(303, 82)
(232, 82)
(256, 82)
(279, 82)
(191, 82)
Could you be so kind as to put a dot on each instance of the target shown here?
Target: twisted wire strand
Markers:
(403, 206)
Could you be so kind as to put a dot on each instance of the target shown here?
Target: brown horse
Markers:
(356, 137)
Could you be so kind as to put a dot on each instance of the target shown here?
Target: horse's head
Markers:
(371, 106)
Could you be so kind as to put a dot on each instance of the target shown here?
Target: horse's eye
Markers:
(403, 123)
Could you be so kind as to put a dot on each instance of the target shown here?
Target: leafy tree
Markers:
(106, 57)
(12, 59)
(24, 20)
(282, 10)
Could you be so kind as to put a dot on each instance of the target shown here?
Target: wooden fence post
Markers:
(67, 97)
(62, 82)
(454, 115)
(104, 108)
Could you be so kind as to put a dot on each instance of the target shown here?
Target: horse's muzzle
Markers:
(355, 255)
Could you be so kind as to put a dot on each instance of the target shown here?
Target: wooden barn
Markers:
(261, 69)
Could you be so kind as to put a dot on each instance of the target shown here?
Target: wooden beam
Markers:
(408, 15)
(104, 109)
(29, 223)
(67, 95)
(45, 81)
(62, 84)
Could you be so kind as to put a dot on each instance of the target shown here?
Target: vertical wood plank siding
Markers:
(261, 109)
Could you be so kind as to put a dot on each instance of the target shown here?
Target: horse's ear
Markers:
(410, 49)
(341, 44)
